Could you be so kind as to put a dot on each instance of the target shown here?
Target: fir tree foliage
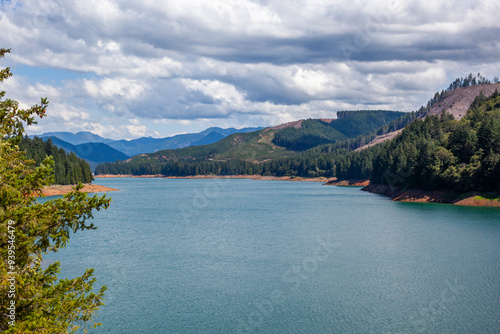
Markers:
(349, 124)
(311, 133)
(32, 299)
(316, 142)
(68, 167)
(441, 152)
(431, 153)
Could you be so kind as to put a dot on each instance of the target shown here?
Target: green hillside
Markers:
(355, 123)
(149, 145)
(311, 133)
(349, 124)
(68, 168)
(257, 147)
(252, 146)
(443, 153)
(93, 153)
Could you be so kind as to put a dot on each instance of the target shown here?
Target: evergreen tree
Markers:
(441, 152)
(32, 300)
(68, 168)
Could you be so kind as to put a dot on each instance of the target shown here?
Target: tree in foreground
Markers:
(32, 299)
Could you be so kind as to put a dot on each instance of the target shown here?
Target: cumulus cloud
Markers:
(175, 64)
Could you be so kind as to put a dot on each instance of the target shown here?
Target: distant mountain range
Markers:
(93, 153)
(437, 148)
(96, 149)
(76, 138)
(243, 151)
(151, 145)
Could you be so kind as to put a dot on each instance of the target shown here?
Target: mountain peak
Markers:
(294, 124)
(457, 102)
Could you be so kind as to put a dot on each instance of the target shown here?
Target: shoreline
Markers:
(348, 183)
(125, 175)
(251, 177)
(435, 196)
(395, 194)
(58, 189)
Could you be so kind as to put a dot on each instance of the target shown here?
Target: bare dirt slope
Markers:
(297, 124)
(294, 124)
(380, 139)
(456, 103)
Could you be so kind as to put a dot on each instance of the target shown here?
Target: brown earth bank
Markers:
(435, 196)
(348, 183)
(125, 175)
(252, 177)
(57, 189)
(380, 139)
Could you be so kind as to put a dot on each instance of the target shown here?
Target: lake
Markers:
(244, 256)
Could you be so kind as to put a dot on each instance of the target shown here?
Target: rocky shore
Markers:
(57, 189)
(435, 196)
(252, 177)
(348, 183)
(396, 194)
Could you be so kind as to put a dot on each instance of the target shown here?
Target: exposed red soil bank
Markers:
(253, 177)
(57, 189)
(350, 183)
(435, 196)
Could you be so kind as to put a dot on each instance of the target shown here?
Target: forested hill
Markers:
(315, 148)
(349, 124)
(443, 153)
(454, 100)
(68, 169)
(354, 129)
(93, 153)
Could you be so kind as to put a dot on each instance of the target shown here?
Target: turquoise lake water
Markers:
(243, 256)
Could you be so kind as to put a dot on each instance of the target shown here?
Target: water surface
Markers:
(243, 256)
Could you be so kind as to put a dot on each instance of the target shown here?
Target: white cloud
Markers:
(136, 130)
(194, 63)
(312, 82)
(113, 87)
(68, 113)
(221, 92)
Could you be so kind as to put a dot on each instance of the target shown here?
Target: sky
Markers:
(128, 69)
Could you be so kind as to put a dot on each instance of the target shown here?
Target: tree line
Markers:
(349, 124)
(435, 153)
(33, 298)
(68, 168)
(432, 152)
(443, 153)
(318, 162)
(336, 159)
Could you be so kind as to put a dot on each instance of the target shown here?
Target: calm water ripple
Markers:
(242, 256)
